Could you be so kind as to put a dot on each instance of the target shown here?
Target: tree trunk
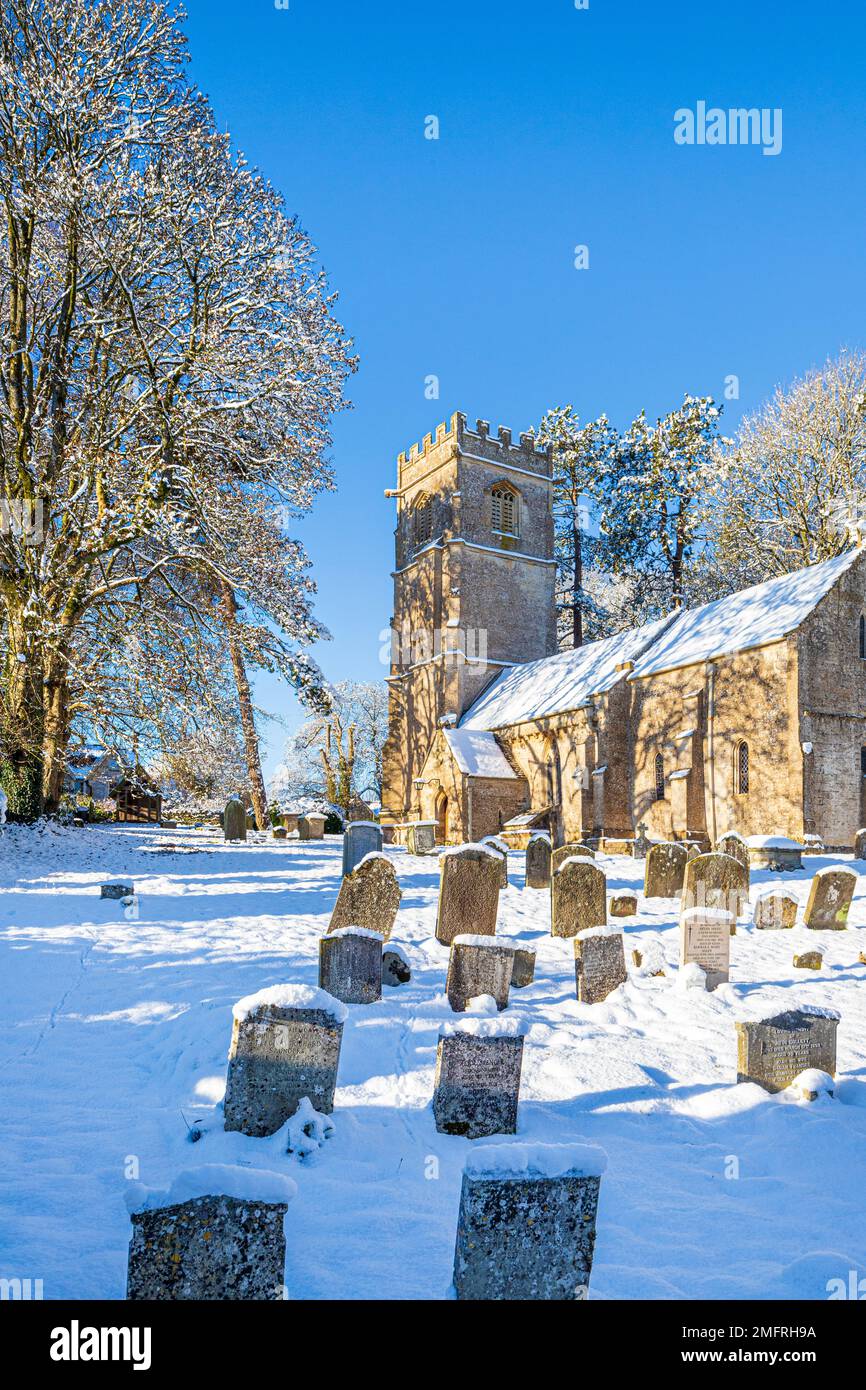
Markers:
(229, 610)
(577, 588)
(23, 720)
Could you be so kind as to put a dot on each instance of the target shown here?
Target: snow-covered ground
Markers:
(114, 1049)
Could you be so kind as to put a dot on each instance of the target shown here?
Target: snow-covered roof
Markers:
(477, 753)
(765, 613)
(556, 683)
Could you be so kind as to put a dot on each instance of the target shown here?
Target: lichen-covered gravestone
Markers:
(570, 851)
(622, 904)
(478, 965)
(830, 895)
(235, 820)
(421, 837)
(526, 1228)
(477, 1081)
(774, 1050)
(396, 969)
(579, 898)
(350, 965)
(775, 910)
(523, 972)
(361, 837)
(705, 940)
(733, 844)
(538, 856)
(499, 847)
(369, 897)
(599, 963)
(285, 1045)
(311, 827)
(860, 845)
(468, 892)
(715, 881)
(215, 1234)
(665, 870)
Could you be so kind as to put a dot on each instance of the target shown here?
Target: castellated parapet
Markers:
(455, 436)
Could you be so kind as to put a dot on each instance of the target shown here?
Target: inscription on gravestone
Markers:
(773, 1051)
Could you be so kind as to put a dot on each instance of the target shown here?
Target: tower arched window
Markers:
(423, 520)
(741, 768)
(862, 638)
(505, 510)
(660, 777)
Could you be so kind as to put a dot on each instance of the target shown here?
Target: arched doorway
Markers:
(442, 818)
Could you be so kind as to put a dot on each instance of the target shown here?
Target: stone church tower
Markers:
(473, 585)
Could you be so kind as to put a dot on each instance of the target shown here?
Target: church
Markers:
(745, 714)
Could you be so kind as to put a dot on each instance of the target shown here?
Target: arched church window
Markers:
(423, 516)
(862, 638)
(660, 777)
(505, 510)
(741, 768)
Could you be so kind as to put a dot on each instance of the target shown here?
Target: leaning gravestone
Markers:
(773, 1051)
(579, 899)
(705, 940)
(478, 965)
(369, 897)
(538, 856)
(396, 969)
(350, 965)
(362, 837)
(523, 972)
(235, 820)
(526, 1229)
(599, 963)
(665, 870)
(775, 910)
(285, 1045)
(468, 892)
(716, 881)
(860, 845)
(216, 1234)
(829, 901)
(477, 1080)
(499, 847)
(570, 851)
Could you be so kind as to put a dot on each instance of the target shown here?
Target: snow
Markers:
(114, 1057)
(771, 842)
(397, 950)
(835, 869)
(357, 931)
(293, 997)
(477, 754)
(213, 1180)
(707, 914)
(505, 1161)
(778, 892)
(606, 929)
(475, 939)
(483, 1027)
(462, 849)
(371, 854)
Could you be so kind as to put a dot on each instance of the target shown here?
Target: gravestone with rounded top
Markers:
(599, 963)
(368, 897)
(477, 1082)
(523, 972)
(538, 856)
(773, 1050)
(715, 881)
(478, 965)
(664, 870)
(569, 851)
(499, 847)
(235, 819)
(396, 969)
(579, 898)
(468, 892)
(775, 910)
(350, 964)
(362, 837)
(829, 902)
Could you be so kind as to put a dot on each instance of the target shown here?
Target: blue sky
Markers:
(455, 256)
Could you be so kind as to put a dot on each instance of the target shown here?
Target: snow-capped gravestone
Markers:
(665, 870)
(478, 965)
(776, 853)
(715, 881)
(622, 904)
(369, 897)
(311, 827)
(775, 910)
(526, 1228)
(579, 899)
(362, 837)
(116, 890)
(538, 856)
(421, 837)
(235, 819)
(468, 892)
(774, 1050)
(350, 965)
(477, 1082)
(860, 845)
(705, 940)
(570, 851)
(280, 832)
(289, 821)
(733, 844)
(830, 895)
(396, 969)
(499, 847)
(285, 1045)
(523, 972)
(215, 1234)
(599, 963)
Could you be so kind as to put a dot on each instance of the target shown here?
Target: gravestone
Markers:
(311, 826)
(117, 890)
(361, 837)
(705, 939)
(538, 856)
(235, 820)
(775, 910)
(523, 971)
(477, 1081)
(216, 1234)
(350, 965)
(829, 901)
(665, 870)
(499, 847)
(368, 897)
(599, 963)
(579, 899)
(478, 965)
(641, 845)
(622, 904)
(421, 837)
(289, 821)
(773, 1051)
(526, 1228)
(733, 844)
(809, 960)
(468, 892)
(396, 969)
(715, 881)
(285, 1045)
(776, 853)
(280, 832)
(570, 851)
(860, 845)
